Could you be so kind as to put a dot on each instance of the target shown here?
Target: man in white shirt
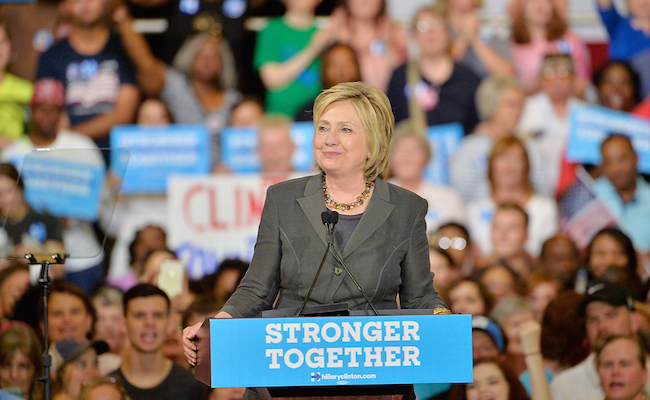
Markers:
(608, 311)
(545, 117)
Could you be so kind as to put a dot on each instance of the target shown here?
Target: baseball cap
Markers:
(70, 350)
(491, 328)
(609, 293)
(50, 91)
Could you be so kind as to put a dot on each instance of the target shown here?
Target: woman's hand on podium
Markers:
(189, 337)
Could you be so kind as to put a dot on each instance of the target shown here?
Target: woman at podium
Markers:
(379, 241)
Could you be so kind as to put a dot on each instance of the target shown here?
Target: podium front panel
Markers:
(327, 351)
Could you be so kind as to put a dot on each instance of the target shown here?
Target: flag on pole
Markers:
(582, 212)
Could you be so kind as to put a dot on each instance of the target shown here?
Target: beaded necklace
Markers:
(346, 206)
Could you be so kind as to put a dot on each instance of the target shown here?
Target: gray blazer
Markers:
(388, 253)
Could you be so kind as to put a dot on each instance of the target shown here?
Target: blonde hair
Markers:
(437, 10)
(270, 121)
(406, 129)
(376, 115)
(489, 91)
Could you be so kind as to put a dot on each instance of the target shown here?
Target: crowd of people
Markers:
(551, 320)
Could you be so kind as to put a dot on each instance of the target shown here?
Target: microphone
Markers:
(334, 216)
(329, 218)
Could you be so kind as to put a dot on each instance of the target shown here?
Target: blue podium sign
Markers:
(329, 351)
(158, 152)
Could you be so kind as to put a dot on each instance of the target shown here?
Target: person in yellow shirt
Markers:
(15, 94)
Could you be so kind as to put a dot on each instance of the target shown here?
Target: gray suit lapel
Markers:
(378, 210)
(313, 205)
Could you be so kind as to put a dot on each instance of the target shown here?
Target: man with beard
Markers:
(608, 311)
(98, 78)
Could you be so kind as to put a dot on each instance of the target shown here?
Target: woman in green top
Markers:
(287, 54)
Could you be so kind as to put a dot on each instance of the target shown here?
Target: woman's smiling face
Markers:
(340, 142)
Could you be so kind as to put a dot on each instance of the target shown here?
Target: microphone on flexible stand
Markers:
(329, 218)
(338, 258)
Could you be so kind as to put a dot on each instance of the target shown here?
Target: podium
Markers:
(335, 356)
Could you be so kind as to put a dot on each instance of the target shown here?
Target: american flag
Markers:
(582, 213)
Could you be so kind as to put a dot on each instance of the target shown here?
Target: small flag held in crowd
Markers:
(582, 213)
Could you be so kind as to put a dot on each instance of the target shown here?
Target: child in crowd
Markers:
(79, 367)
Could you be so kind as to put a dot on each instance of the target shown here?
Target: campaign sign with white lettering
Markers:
(239, 148)
(444, 140)
(589, 125)
(63, 188)
(326, 351)
(159, 151)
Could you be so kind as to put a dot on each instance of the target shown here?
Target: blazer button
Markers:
(337, 271)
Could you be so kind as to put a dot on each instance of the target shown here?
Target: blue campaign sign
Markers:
(239, 148)
(444, 141)
(63, 188)
(589, 125)
(158, 152)
(326, 351)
